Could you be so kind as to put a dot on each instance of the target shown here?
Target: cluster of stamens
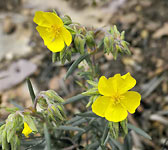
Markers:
(116, 99)
(55, 30)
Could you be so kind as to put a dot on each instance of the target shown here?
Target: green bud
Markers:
(42, 103)
(108, 44)
(56, 112)
(79, 43)
(90, 39)
(67, 20)
(114, 129)
(15, 143)
(5, 145)
(1, 130)
(54, 96)
(122, 35)
(61, 109)
(124, 127)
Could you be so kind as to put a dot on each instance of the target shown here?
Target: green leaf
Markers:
(73, 120)
(93, 83)
(128, 142)
(105, 134)
(74, 99)
(88, 114)
(31, 91)
(93, 145)
(115, 144)
(75, 64)
(67, 128)
(139, 131)
(90, 92)
(18, 107)
(47, 137)
(79, 122)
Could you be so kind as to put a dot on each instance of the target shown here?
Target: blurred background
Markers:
(23, 54)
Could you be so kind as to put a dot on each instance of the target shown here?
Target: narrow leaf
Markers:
(75, 64)
(105, 134)
(67, 128)
(31, 91)
(128, 142)
(74, 99)
(139, 131)
(87, 114)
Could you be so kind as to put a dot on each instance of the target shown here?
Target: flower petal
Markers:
(123, 83)
(27, 130)
(56, 45)
(67, 36)
(115, 113)
(131, 101)
(45, 34)
(105, 86)
(46, 19)
(100, 105)
(129, 82)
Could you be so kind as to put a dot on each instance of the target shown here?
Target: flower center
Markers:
(55, 30)
(116, 99)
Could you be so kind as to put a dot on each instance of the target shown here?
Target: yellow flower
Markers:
(51, 29)
(27, 130)
(116, 101)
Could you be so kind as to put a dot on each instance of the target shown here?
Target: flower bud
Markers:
(79, 43)
(114, 129)
(124, 127)
(90, 39)
(108, 44)
(67, 20)
(55, 113)
(51, 103)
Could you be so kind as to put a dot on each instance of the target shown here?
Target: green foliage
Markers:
(51, 121)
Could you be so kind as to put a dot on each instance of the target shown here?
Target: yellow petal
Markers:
(46, 19)
(27, 130)
(45, 34)
(129, 82)
(100, 105)
(105, 86)
(123, 83)
(115, 113)
(67, 36)
(131, 100)
(56, 45)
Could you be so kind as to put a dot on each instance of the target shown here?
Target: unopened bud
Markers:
(67, 20)
(124, 127)
(90, 39)
(108, 44)
(79, 43)
(114, 129)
